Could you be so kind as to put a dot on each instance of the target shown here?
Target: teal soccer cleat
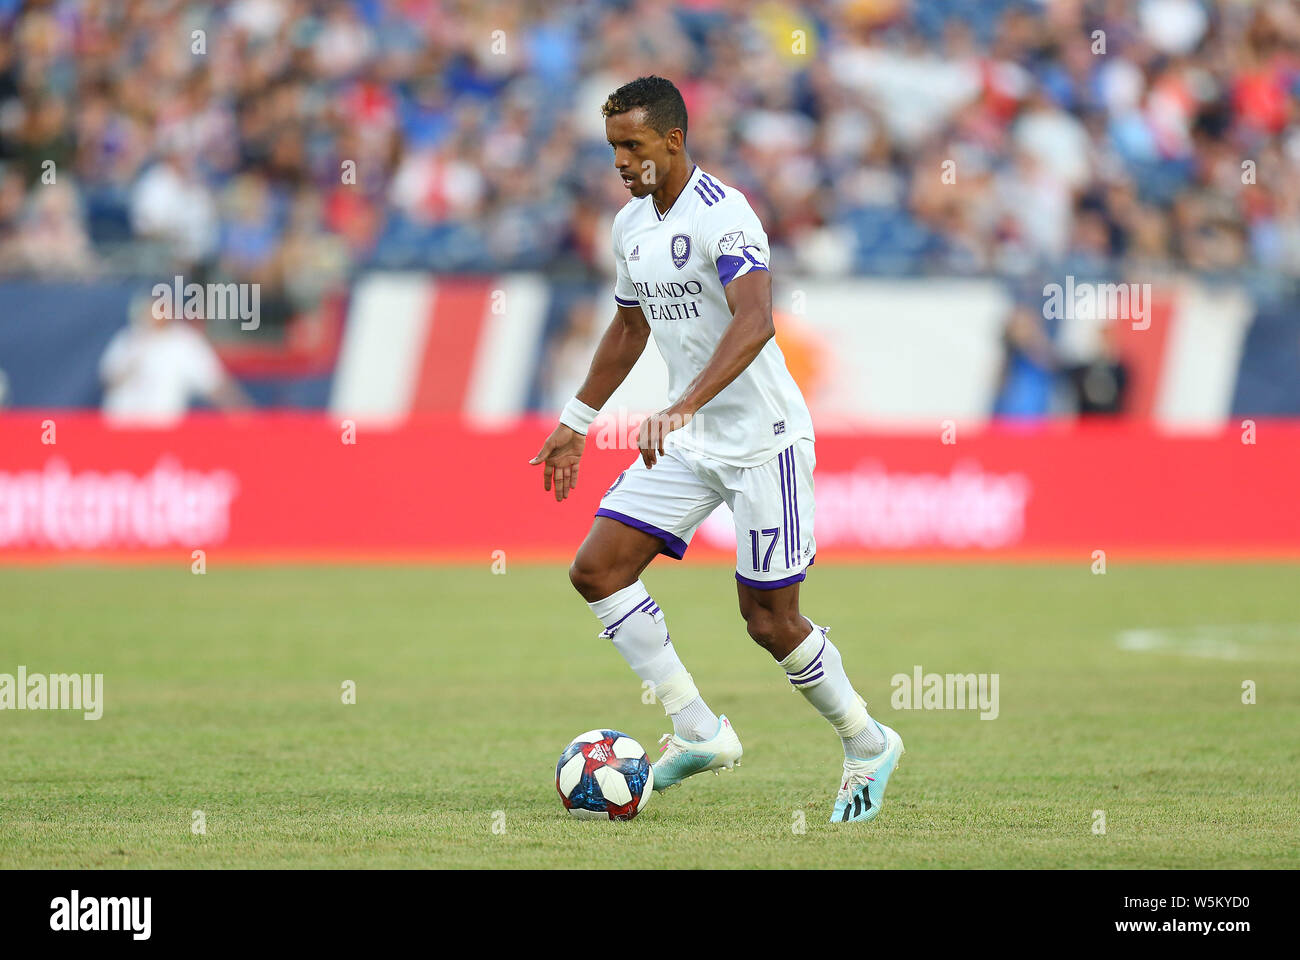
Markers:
(685, 758)
(863, 788)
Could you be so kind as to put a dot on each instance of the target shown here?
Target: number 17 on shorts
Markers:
(774, 519)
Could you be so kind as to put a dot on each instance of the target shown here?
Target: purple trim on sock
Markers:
(808, 679)
(674, 547)
(771, 584)
(802, 675)
(815, 662)
(637, 609)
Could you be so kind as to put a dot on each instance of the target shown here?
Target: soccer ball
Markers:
(604, 775)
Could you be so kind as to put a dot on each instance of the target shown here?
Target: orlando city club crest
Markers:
(681, 250)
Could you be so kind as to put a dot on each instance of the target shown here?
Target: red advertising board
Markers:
(284, 486)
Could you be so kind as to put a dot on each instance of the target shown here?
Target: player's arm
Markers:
(750, 299)
(616, 355)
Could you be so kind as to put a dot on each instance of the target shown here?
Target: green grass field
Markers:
(223, 695)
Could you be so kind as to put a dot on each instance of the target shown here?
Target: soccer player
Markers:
(692, 270)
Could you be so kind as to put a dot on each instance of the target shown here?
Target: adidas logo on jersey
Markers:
(636, 253)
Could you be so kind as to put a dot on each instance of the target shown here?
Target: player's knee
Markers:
(762, 627)
(581, 576)
(590, 579)
(772, 630)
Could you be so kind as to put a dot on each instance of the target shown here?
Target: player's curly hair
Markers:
(663, 103)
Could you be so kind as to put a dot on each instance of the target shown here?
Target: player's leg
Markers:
(773, 508)
(612, 557)
(812, 664)
(645, 513)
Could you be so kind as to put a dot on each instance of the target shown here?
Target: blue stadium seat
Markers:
(108, 216)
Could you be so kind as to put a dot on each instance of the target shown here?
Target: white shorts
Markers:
(772, 504)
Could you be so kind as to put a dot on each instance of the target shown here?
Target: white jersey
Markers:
(676, 268)
(153, 373)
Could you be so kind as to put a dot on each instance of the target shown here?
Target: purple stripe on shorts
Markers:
(794, 509)
(785, 513)
(794, 484)
(791, 539)
(674, 547)
(785, 508)
(771, 584)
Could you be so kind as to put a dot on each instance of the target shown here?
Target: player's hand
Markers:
(654, 431)
(561, 453)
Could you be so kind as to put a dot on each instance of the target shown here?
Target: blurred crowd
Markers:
(290, 142)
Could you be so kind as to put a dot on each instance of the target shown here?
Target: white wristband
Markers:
(577, 416)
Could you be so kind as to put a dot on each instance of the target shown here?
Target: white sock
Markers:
(635, 624)
(815, 669)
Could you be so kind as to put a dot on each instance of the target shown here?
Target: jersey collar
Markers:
(695, 172)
